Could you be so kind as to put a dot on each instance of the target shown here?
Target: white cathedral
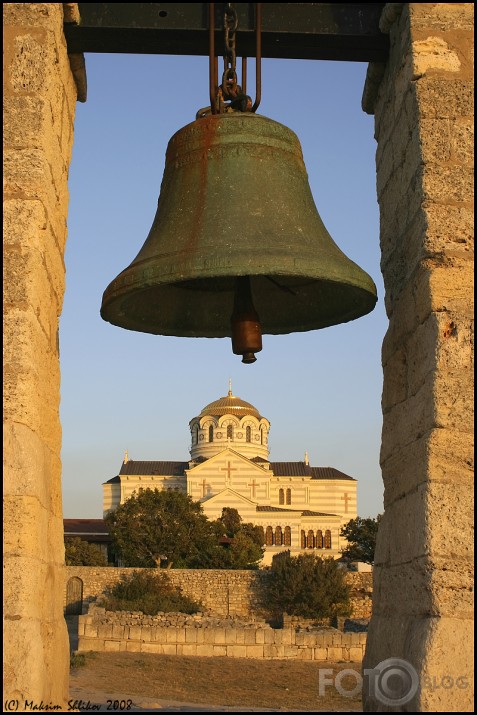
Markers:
(300, 508)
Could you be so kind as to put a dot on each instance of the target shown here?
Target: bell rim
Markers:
(362, 301)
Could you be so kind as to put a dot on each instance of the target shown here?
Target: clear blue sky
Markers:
(321, 390)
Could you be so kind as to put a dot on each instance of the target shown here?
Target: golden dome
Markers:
(230, 405)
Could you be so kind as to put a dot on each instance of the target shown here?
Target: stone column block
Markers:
(219, 635)
(133, 646)
(105, 631)
(236, 651)
(273, 651)
(135, 633)
(91, 630)
(157, 648)
(254, 651)
(171, 634)
(111, 646)
(249, 636)
(356, 654)
(240, 636)
(320, 654)
(335, 654)
(230, 636)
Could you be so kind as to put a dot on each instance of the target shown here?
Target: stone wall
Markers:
(177, 634)
(422, 608)
(223, 592)
(39, 107)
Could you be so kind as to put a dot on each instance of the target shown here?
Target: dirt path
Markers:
(134, 682)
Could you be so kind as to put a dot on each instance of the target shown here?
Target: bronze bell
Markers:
(235, 203)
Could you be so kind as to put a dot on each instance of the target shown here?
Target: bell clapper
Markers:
(246, 328)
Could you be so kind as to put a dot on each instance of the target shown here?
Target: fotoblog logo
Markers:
(392, 682)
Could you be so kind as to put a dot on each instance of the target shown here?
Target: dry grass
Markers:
(277, 684)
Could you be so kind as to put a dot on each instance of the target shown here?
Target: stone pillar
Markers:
(39, 107)
(422, 606)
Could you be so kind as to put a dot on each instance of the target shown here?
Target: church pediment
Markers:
(228, 470)
(229, 497)
(231, 455)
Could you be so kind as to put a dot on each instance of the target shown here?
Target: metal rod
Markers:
(244, 75)
(258, 56)
(213, 77)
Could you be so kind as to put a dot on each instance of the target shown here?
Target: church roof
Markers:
(273, 508)
(177, 469)
(300, 469)
(173, 469)
(330, 473)
(84, 526)
(230, 405)
(92, 530)
(303, 512)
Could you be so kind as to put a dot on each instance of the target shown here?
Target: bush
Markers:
(307, 586)
(149, 592)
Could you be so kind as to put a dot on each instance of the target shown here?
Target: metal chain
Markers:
(230, 88)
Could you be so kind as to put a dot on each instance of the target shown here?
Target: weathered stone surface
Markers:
(423, 575)
(462, 142)
(33, 14)
(39, 101)
(434, 53)
(442, 98)
(442, 16)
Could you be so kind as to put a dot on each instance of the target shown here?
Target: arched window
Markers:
(288, 496)
(281, 496)
(230, 431)
(269, 536)
(261, 436)
(248, 434)
(319, 539)
(327, 539)
(211, 433)
(302, 539)
(196, 435)
(287, 536)
(310, 540)
(278, 536)
(262, 533)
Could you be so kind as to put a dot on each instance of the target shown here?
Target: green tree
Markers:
(231, 520)
(82, 553)
(306, 585)
(253, 532)
(154, 525)
(244, 552)
(244, 548)
(361, 535)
